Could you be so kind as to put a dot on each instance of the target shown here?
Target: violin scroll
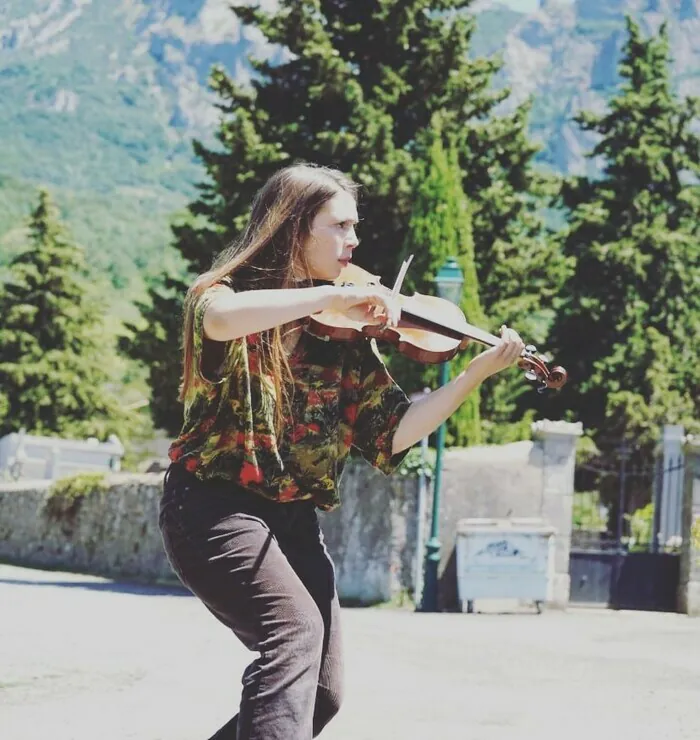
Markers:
(535, 366)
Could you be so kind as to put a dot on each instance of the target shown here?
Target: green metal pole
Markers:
(432, 548)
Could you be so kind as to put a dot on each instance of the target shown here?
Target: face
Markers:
(332, 240)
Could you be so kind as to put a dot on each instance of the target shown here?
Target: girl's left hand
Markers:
(501, 356)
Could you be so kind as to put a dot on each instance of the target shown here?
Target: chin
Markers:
(329, 274)
(332, 273)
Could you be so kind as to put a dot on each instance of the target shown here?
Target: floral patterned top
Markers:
(343, 401)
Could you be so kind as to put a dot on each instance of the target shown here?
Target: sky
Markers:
(525, 5)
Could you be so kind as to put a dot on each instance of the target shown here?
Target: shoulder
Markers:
(223, 284)
(226, 282)
(210, 293)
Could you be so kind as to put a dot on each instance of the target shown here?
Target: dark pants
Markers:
(262, 569)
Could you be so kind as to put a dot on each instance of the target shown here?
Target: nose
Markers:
(353, 241)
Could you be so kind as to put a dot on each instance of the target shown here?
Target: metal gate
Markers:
(633, 562)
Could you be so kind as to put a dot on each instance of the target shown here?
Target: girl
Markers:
(271, 414)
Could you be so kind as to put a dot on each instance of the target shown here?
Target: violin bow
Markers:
(401, 276)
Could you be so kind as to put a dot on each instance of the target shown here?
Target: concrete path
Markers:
(83, 658)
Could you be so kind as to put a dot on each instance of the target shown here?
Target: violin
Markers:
(430, 329)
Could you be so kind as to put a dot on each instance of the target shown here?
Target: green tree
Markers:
(54, 357)
(440, 227)
(354, 86)
(630, 322)
(157, 346)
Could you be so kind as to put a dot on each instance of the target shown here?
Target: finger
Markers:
(512, 338)
(389, 309)
(506, 338)
(376, 315)
(395, 312)
(388, 315)
(376, 312)
(508, 349)
(517, 349)
(520, 345)
(384, 308)
(515, 338)
(382, 301)
(506, 341)
(512, 344)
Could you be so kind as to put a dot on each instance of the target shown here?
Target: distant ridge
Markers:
(100, 101)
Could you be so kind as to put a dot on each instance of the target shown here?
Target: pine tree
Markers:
(355, 87)
(54, 358)
(629, 328)
(440, 227)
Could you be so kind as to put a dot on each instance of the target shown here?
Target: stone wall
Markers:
(372, 537)
(111, 532)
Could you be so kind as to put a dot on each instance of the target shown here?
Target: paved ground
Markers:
(83, 658)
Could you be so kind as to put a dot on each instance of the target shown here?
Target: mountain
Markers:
(100, 99)
(565, 56)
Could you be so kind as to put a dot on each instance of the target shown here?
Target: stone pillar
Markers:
(558, 442)
(669, 516)
(689, 587)
(52, 463)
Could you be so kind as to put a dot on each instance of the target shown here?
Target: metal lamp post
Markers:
(448, 281)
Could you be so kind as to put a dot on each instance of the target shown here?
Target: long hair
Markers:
(269, 254)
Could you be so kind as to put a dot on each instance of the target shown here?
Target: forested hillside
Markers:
(100, 102)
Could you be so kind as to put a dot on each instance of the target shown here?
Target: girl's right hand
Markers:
(367, 304)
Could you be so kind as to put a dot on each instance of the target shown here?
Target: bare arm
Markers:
(427, 413)
(231, 314)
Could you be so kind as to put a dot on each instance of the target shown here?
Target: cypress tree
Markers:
(630, 323)
(54, 357)
(440, 227)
